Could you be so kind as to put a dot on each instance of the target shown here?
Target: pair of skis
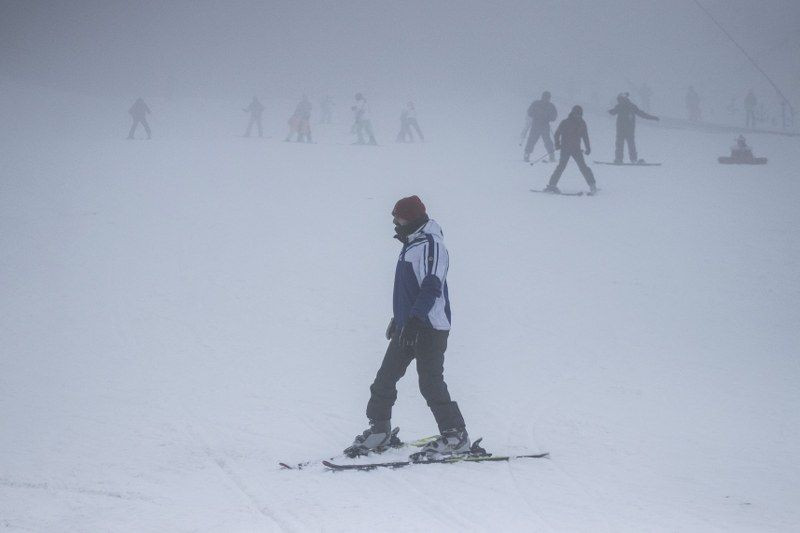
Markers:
(639, 163)
(461, 458)
(576, 193)
(476, 454)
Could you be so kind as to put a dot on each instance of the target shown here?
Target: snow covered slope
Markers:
(179, 315)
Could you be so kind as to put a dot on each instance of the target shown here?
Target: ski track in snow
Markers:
(60, 487)
(234, 478)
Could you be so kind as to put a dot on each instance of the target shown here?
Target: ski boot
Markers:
(450, 442)
(592, 189)
(553, 189)
(376, 438)
(618, 161)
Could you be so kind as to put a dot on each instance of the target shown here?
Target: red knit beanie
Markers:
(410, 208)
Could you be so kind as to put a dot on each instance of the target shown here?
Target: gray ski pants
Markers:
(429, 354)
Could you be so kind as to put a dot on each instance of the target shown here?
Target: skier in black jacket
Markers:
(139, 112)
(542, 112)
(627, 112)
(255, 109)
(569, 135)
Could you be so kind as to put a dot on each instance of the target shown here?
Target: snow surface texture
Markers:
(179, 315)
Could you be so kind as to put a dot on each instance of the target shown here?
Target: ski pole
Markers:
(545, 155)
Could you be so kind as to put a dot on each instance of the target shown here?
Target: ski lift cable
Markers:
(741, 49)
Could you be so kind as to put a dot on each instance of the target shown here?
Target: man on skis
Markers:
(139, 112)
(569, 135)
(363, 124)
(541, 112)
(627, 112)
(418, 330)
(255, 109)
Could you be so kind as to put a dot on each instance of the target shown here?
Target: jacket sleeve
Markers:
(586, 137)
(642, 114)
(557, 134)
(431, 268)
(553, 113)
(614, 111)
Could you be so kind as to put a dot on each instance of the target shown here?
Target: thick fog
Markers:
(582, 49)
(198, 265)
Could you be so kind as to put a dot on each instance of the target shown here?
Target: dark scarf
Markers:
(402, 232)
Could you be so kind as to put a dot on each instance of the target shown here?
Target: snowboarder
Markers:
(742, 154)
(300, 121)
(693, 105)
(408, 119)
(362, 122)
(255, 109)
(568, 137)
(418, 330)
(326, 110)
(542, 113)
(139, 112)
(627, 112)
(750, 104)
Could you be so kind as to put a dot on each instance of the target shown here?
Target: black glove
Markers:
(390, 329)
(410, 334)
(587, 151)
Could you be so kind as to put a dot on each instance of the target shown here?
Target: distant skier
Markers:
(568, 137)
(693, 105)
(326, 110)
(408, 119)
(418, 330)
(750, 104)
(542, 112)
(139, 112)
(362, 124)
(255, 109)
(626, 112)
(645, 94)
(300, 121)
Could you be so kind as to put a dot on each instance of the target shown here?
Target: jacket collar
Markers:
(429, 228)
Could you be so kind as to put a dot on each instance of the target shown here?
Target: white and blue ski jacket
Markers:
(420, 279)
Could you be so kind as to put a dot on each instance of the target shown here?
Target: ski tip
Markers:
(330, 466)
(544, 455)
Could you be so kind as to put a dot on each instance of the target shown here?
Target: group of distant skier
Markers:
(572, 131)
(754, 112)
(300, 121)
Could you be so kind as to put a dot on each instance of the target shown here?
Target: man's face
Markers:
(399, 221)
